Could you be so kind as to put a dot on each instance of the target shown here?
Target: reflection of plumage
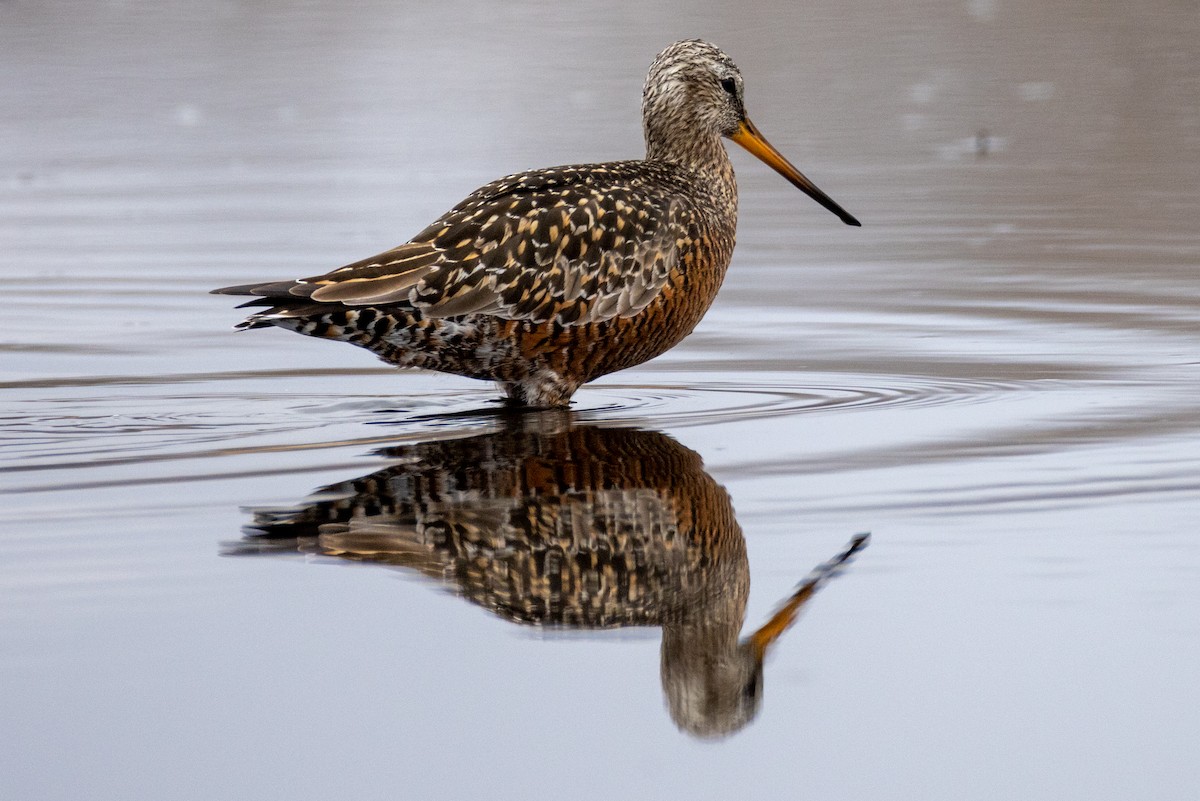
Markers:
(547, 279)
(573, 526)
(581, 527)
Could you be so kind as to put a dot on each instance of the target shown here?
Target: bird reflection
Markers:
(556, 523)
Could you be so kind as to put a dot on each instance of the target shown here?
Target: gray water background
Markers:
(998, 376)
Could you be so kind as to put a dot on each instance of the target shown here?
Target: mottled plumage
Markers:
(545, 280)
(568, 526)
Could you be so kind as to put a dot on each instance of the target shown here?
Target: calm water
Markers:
(997, 376)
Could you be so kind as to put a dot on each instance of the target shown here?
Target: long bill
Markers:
(749, 137)
(786, 614)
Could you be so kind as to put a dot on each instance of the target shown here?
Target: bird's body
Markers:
(545, 280)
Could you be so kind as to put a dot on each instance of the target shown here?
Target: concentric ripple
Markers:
(232, 414)
(711, 402)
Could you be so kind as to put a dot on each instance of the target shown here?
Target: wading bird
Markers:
(545, 280)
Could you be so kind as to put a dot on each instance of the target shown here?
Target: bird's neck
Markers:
(707, 161)
(704, 156)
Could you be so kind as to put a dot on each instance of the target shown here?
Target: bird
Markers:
(564, 525)
(544, 280)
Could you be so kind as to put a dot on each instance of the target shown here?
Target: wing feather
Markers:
(576, 245)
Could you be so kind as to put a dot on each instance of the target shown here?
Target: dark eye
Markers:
(730, 85)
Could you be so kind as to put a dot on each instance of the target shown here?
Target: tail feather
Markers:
(279, 301)
(278, 314)
(275, 289)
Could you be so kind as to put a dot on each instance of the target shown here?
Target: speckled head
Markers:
(694, 85)
(694, 96)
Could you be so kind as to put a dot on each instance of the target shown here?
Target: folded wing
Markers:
(560, 244)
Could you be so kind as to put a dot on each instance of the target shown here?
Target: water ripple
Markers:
(723, 401)
(96, 429)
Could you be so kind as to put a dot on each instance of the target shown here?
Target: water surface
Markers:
(996, 376)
